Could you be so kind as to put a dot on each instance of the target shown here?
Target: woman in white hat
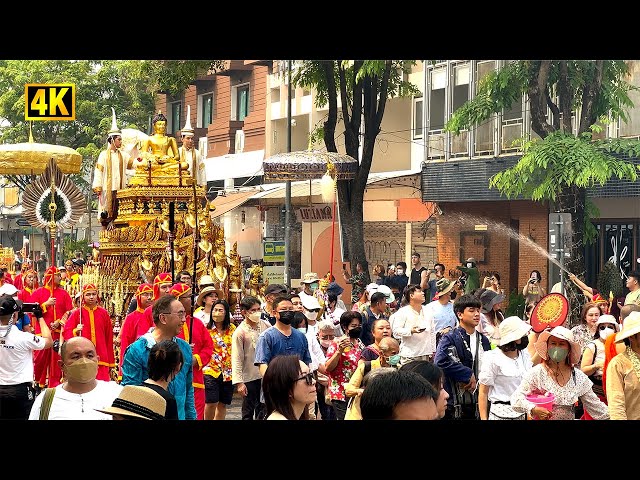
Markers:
(593, 354)
(623, 373)
(556, 373)
(502, 371)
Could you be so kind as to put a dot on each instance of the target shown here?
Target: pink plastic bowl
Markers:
(544, 401)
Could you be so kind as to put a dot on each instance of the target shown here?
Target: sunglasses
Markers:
(603, 326)
(308, 378)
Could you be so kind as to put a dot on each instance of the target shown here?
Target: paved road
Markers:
(234, 411)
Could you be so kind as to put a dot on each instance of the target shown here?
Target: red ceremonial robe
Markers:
(128, 334)
(97, 327)
(202, 347)
(45, 362)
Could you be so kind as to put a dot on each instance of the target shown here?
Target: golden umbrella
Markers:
(32, 158)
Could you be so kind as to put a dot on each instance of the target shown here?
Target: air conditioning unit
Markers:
(239, 145)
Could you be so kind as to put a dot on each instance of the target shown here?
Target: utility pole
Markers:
(287, 205)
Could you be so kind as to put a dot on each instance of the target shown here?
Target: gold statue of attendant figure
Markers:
(159, 162)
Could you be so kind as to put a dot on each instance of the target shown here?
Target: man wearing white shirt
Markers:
(411, 326)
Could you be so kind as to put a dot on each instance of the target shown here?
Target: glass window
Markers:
(175, 118)
(417, 117)
(242, 102)
(437, 99)
(205, 110)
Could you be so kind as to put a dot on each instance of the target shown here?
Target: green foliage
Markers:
(590, 231)
(60, 212)
(559, 161)
(609, 280)
(71, 246)
(516, 304)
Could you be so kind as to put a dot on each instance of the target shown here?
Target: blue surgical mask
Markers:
(394, 360)
(313, 287)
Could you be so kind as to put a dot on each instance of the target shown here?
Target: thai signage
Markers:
(314, 213)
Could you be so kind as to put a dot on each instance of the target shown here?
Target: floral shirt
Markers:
(582, 335)
(577, 387)
(221, 359)
(357, 286)
(347, 364)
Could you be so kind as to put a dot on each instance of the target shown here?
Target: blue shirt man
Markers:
(169, 316)
(281, 339)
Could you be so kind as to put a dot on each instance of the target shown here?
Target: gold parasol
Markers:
(32, 158)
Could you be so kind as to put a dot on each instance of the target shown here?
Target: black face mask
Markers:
(355, 332)
(524, 341)
(286, 317)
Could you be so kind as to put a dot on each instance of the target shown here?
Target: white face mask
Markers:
(311, 315)
(399, 271)
(254, 317)
(604, 334)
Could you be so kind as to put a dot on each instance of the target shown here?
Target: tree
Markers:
(560, 166)
(363, 87)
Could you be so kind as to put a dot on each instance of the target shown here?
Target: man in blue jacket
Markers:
(168, 316)
(459, 355)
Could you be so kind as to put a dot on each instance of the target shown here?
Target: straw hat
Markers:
(310, 278)
(139, 402)
(562, 333)
(206, 291)
(630, 327)
(512, 329)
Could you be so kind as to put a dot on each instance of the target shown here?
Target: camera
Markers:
(56, 346)
(532, 280)
(29, 307)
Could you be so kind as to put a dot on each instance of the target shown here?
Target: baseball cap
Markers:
(9, 305)
(275, 288)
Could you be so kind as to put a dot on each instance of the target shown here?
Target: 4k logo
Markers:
(45, 101)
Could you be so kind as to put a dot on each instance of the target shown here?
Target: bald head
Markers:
(77, 346)
(389, 346)
(627, 309)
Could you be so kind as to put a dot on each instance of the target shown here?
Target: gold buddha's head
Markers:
(159, 122)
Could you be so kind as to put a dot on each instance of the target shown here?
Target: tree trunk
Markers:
(572, 200)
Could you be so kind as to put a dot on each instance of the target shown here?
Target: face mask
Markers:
(469, 265)
(325, 343)
(355, 332)
(524, 341)
(314, 286)
(311, 315)
(558, 354)
(254, 317)
(82, 370)
(605, 333)
(394, 360)
(400, 272)
(286, 317)
(302, 329)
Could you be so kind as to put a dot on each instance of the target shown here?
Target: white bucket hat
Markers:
(389, 297)
(562, 333)
(512, 329)
(606, 318)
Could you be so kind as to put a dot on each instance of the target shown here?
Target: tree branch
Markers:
(565, 98)
(329, 134)
(590, 94)
(537, 98)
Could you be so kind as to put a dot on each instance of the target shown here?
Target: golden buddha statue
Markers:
(159, 161)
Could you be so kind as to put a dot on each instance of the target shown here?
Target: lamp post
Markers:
(287, 201)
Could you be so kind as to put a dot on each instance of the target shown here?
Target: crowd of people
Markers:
(421, 347)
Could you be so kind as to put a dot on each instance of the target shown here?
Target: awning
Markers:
(234, 165)
(228, 200)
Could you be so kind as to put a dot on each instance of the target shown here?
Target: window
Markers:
(174, 120)
(417, 117)
(240, 102)
(275, 95)
(436, 99)
(205, 109)
(484, 131)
